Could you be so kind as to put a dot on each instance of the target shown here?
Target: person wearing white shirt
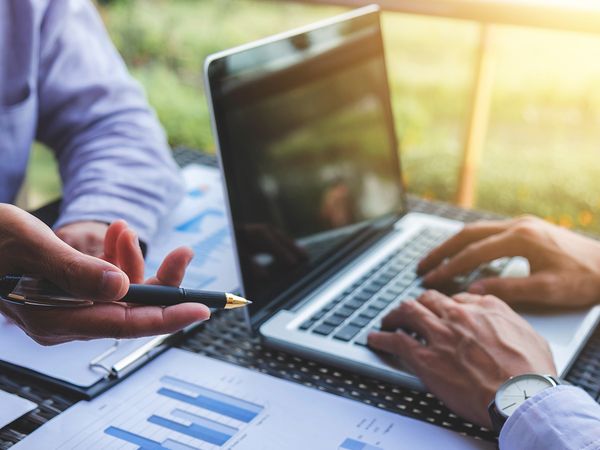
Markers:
(481, 358)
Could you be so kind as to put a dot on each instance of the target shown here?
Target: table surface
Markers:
(225, 338)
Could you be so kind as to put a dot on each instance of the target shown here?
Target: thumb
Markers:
(28, 246)
(85, 276)
(532, 289)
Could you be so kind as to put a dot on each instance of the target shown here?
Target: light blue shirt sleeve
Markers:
(113, 156)
(560, 418)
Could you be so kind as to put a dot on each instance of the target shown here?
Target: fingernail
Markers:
(135, 240)
(477, 288)
(112, 283)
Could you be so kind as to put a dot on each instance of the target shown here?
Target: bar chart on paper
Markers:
(200, 222)
(191, 424)
(184, 401)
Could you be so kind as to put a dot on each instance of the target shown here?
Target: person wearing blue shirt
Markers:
(474, 342)
(63, 83)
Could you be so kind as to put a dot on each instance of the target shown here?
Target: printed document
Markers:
(186, 401)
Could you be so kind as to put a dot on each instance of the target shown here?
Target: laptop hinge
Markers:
(330, 268)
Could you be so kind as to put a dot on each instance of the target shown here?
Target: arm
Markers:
(112, 152)
(561, 418)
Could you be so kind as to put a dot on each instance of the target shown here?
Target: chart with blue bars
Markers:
(200, 427)
(199, 221)
(196, 426)
(185, 401)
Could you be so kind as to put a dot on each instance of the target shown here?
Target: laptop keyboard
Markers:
(358, 310)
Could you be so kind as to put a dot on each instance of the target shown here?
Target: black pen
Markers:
(33, 291)
(151, 295)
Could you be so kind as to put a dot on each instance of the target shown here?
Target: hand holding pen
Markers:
(29, 246)
(26, 290)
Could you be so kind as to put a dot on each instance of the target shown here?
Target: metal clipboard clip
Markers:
(131, 361)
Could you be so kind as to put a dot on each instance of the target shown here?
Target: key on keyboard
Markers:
(369, 297)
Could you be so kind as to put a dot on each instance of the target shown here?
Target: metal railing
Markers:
(574, 16)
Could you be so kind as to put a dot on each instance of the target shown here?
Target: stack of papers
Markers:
(186, 401)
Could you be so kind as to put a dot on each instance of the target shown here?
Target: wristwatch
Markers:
(514, 392)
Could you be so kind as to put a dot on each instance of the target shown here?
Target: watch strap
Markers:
(498, 420)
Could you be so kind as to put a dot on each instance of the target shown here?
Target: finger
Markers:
(396, 343)
(119, 321)
(532, 289)
(436, 302)
(465, 297)
(413, 316)
(172, 269)
(33, 248)
(110, 241)
(469, 234)
(129, 256)
(475, 254)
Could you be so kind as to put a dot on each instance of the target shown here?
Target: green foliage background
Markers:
(542, 152)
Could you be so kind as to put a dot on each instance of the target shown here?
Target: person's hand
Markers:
(564, 266)
(473, 344)
(29, 246)
(87, 236)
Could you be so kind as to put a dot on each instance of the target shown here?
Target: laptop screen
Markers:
(308, 148)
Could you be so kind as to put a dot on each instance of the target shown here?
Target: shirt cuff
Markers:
(563, 417)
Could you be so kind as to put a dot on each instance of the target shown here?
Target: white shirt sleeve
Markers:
(560, 418)
(112, 152)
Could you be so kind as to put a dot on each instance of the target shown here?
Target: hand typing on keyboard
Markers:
(465, 347)
(565, 267)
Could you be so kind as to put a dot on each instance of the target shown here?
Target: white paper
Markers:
(165, 406)
(12, 407)
(69, 362)
(200, 222)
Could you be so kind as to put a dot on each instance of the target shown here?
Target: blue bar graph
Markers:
(204, 422)
(145, 443)
(353, 444)
(195, 224)
(204, 433)
(207, 247)
(218, 402)
(196, 193)
(174, 445)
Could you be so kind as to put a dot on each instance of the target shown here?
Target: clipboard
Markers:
(110, 373)
(199, 176)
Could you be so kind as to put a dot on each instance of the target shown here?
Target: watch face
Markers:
(518, 389)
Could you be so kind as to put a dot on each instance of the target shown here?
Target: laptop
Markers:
(325, 244)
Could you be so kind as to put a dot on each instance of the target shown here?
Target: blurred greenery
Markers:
(542, 151)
